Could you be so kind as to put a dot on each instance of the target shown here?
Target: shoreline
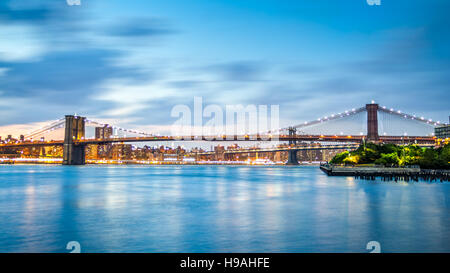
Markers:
(57, 161)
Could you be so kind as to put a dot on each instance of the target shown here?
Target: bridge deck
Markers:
(315, 138)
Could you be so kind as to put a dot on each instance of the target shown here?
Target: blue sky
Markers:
(130, 62)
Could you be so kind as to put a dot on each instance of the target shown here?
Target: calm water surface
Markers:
(215, 209)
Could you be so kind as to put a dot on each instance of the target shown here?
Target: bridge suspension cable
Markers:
(332, 117)
(390, 122)
(409, 116)
(118, 128)
(47, 128)
(396, 123)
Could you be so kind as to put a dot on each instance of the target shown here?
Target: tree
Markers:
(388, 159)
(428, 160)
(339, 158)
(368, 155)
(352, 159)
(389, 149)
(390, 154)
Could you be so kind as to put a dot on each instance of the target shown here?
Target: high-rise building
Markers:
(121, 151)
(219, 152)
(103, 132)
(92, 151)
(103, 151)
(442, 132)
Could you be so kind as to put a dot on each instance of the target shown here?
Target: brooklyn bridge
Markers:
(344, 130)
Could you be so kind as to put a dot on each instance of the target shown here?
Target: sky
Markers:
(129, 63)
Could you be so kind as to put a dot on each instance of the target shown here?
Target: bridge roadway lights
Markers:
(292, 158)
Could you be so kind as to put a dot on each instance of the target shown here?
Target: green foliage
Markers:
(388, 148)
(339, 158)
(391, 159)
(393, 155)
(352, 159)
(368, 155)
(445, 154)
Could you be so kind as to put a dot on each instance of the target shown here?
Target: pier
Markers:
(407, 174)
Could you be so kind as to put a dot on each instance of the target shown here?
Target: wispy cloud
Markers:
(144, 27)
(134, 66)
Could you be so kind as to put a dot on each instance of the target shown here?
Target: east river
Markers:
(216, 209)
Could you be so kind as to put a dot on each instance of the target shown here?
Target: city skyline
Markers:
(130, 63)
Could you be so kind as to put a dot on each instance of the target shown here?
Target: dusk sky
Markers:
(130, 62)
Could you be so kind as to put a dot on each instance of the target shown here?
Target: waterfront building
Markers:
(121, 151)
(92, 151)
(442, 132)
(219, 151)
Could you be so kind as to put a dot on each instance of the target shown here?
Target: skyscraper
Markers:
(103, 132)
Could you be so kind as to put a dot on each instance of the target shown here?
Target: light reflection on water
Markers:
(215, 209)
